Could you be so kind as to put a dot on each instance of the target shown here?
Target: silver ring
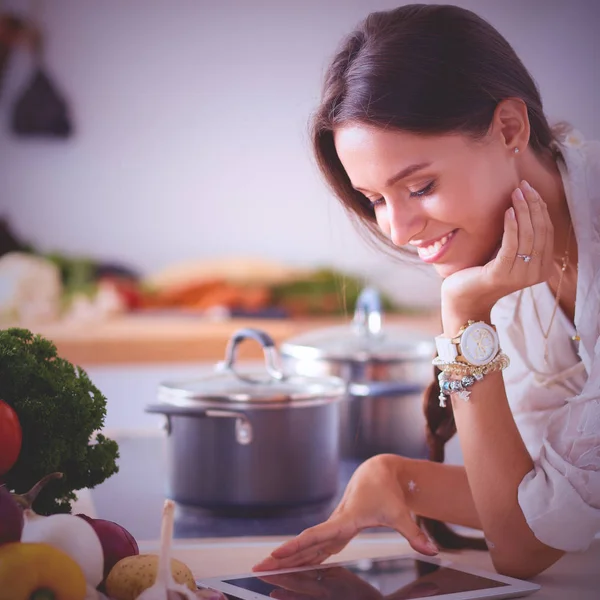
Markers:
(525, 257)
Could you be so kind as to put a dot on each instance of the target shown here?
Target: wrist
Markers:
(452, 321)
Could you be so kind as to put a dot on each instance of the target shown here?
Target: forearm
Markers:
(435, 490)
(496, 461)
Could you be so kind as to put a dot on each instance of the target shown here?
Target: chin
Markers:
(445, 270)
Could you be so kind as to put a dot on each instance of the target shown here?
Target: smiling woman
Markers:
(432, 134)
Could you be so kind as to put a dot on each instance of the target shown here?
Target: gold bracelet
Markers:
(500, 362)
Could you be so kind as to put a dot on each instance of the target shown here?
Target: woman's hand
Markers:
(373, 498)
(471, 293)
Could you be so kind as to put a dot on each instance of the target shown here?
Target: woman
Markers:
(431, 132)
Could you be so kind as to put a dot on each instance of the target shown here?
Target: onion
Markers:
(117, 542)
(73, 536)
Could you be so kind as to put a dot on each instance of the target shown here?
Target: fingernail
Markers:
(511, 213)
(526, 186)
(431, 547)
(519, 195)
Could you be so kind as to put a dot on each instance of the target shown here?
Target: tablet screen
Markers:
(393, 579)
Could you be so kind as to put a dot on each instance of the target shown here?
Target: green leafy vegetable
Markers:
(327, 291)
(59, 409)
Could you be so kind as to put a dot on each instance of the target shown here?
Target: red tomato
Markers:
(11, 437)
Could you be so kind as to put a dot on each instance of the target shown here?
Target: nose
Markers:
(405, 221)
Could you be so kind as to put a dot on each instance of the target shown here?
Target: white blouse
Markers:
(556, 405)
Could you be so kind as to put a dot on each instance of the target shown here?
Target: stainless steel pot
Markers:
(387, 370)
(249, 441)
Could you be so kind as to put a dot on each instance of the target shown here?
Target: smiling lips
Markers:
(434, 251)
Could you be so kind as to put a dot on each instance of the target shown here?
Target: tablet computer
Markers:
(409, 576)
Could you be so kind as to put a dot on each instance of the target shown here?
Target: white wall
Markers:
(191, 126)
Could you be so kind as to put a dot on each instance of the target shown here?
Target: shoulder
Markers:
(581, 155)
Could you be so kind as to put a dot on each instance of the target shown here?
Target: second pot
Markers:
(386, 369)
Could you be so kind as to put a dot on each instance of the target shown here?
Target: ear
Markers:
(510, 124)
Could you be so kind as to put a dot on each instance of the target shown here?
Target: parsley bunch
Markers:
(59, 409)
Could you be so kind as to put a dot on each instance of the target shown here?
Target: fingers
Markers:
(308, 547)
(314, 555)
(538, 222)
(325, 532)
(414, 535)
(506, 256)
(528, 232)
(524, 197)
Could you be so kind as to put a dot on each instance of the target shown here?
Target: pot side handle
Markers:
(244, 433)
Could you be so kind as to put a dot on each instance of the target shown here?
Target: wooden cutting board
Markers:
(167, 339)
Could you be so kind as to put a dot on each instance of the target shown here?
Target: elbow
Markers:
(518, 571)
(526, 565)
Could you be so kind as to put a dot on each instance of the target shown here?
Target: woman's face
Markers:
(446, 195)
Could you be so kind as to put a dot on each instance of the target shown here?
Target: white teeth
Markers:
(435, 248)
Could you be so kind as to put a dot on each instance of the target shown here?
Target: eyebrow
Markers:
(410, 170)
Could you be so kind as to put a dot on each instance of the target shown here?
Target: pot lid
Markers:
(363, 339)
(254, 387)
(226, 383)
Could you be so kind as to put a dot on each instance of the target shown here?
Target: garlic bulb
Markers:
(165, 587)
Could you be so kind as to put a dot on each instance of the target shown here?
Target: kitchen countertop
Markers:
(213, 546)
(142, 338)
(574, 577)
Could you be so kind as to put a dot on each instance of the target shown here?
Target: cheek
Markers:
(482, 199)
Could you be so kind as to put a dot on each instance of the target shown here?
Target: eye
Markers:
(377, 202)
(426, 191)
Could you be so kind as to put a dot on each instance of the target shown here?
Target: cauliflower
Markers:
(30, 289)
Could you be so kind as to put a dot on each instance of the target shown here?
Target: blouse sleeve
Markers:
(560, 497)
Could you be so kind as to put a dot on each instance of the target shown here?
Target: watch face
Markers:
(479, 344)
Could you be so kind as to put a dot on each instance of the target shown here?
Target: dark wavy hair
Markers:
(426, 69)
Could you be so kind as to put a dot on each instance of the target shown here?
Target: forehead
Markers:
(371, 155)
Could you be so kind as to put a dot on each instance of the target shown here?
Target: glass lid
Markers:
(227, 383)
(363, 339)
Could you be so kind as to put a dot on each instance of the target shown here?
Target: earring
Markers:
(516, 151)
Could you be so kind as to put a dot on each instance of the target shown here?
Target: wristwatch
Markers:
(475, 344)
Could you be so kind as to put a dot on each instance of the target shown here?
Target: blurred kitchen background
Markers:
(169, 182)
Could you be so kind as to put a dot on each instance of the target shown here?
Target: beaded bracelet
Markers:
(459, 386)
(500, 362)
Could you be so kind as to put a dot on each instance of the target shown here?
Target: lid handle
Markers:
(367, 314)
(272, 359)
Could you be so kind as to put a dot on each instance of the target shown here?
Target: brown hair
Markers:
(426, 69)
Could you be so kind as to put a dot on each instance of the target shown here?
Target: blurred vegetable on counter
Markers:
(82, 289)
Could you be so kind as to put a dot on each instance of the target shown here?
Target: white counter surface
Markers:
(574, 577)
